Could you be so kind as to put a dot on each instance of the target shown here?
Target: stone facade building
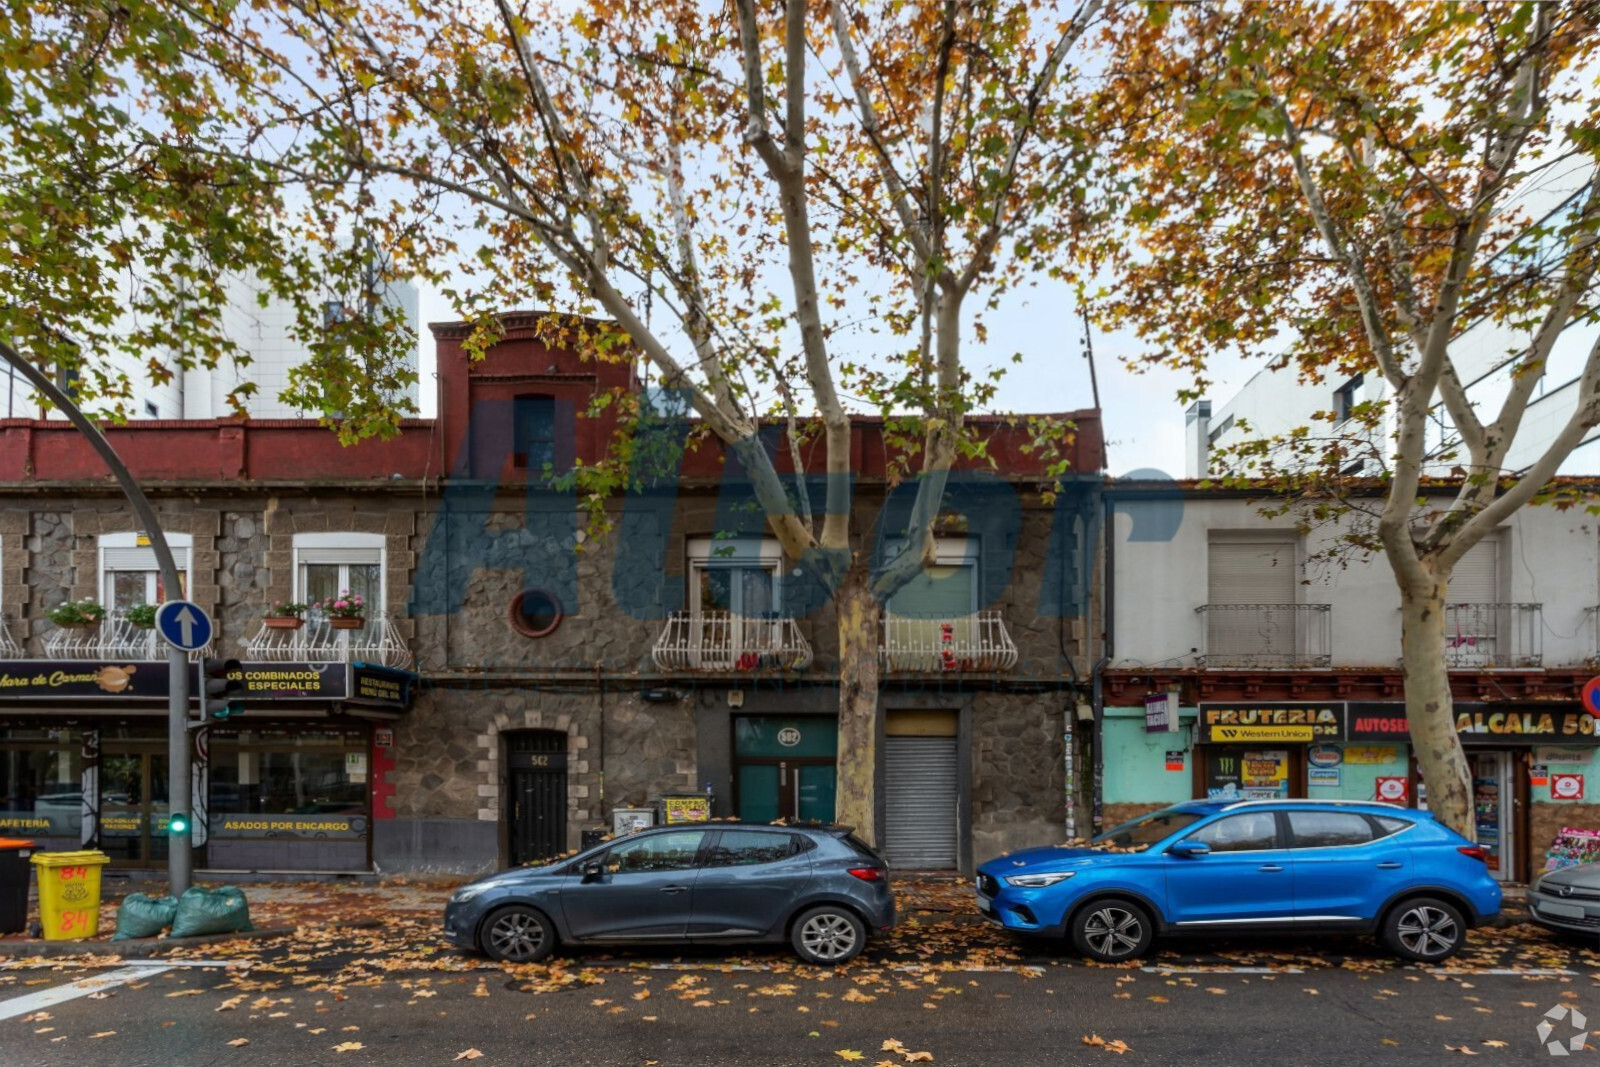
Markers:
(522, 674)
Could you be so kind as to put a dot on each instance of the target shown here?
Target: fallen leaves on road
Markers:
(349, 1046)
(105, 1033)
(1463, 1049)
(469, 1054)
(849, 1054)
(239, 1042)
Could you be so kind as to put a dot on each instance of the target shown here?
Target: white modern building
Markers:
(1282, 671)
(1276, 401)
(265, 333)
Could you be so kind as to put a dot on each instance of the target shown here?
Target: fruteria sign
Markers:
(1248, 723)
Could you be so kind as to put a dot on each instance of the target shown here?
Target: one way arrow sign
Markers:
(183, 625)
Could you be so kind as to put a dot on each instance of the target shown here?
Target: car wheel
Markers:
(518, 934)
(828, 935)
(1424, 929)
(1113, 931)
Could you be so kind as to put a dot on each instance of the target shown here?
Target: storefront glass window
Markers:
(40, 784)
(266, 772)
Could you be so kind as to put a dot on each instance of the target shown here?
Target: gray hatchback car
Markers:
(817, 887)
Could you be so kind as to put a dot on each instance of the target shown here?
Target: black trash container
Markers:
(15, 870)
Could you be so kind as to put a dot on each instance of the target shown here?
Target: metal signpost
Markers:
(179, 854)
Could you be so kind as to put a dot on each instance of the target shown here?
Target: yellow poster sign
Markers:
(1263, 733)
(1369, 754)
(686, 809)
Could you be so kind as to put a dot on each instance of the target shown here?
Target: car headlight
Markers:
(467, 892)
(1038, 881)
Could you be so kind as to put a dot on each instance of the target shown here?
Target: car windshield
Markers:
(1148, 829)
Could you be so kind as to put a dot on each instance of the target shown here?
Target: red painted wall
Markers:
(529, 359)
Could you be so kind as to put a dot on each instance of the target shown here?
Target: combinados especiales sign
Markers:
(148, 680)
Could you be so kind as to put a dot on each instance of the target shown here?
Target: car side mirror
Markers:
(592, 869)
(1190, 849)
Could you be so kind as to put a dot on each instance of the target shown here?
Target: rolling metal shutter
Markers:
(1476, 578)
(1251, 572)
(920, 794)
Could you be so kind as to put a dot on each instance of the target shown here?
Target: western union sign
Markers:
(1263, 733)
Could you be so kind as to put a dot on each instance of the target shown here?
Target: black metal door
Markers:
(537, 760)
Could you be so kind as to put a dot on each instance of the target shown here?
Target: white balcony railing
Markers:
(9, 648)
(1493, 635)
(378, 642)
(722, 641)
(1266, 635)
(976, 642)
(115, 638)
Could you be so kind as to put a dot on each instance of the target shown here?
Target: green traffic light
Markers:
(178, 824)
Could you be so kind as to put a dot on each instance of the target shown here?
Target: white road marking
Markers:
(1223, 970)
(29, 1003)
(1501, 972)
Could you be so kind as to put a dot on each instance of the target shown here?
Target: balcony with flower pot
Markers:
(87, 630)
(977, 641)
(724, 642)
(337, 630)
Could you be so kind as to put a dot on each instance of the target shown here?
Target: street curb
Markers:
(149, 947)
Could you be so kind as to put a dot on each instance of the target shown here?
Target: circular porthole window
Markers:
(535, 613)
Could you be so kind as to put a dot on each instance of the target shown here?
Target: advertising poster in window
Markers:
(1266, 774)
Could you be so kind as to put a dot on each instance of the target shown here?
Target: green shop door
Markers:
(784, 767)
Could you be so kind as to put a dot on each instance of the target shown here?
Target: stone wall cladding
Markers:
(242, 578)
(47, 577)
(1018, 774)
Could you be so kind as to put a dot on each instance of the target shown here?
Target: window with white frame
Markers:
(1473, 615)
(341, 566)
(741, 576)
(129, 573)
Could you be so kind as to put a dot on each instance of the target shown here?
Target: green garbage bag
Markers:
(142, 916)
(211, 911)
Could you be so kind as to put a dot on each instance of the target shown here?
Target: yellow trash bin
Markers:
(69, 893)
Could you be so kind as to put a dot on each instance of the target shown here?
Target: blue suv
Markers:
(820, 888)
(1211, 866)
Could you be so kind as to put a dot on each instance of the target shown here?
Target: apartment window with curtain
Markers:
(931, 623)
(130, 575)
(331, 566)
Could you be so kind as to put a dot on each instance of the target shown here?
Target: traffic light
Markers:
(177, 824)
(222, 689)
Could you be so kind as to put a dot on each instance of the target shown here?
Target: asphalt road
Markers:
(285, 1006)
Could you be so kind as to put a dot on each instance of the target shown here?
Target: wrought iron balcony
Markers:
(9, 648)
(318, 641)
(722, 641)
(1493, 635)
(976, 642)
(1266, 635)
(113, 638)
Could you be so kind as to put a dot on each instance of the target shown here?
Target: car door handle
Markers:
(673, 888)
(1270, 867)
(1390, 865)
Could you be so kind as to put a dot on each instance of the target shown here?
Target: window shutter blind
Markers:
(141, 559)
(341, 555)
(1252, 572)
(1477, 576)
